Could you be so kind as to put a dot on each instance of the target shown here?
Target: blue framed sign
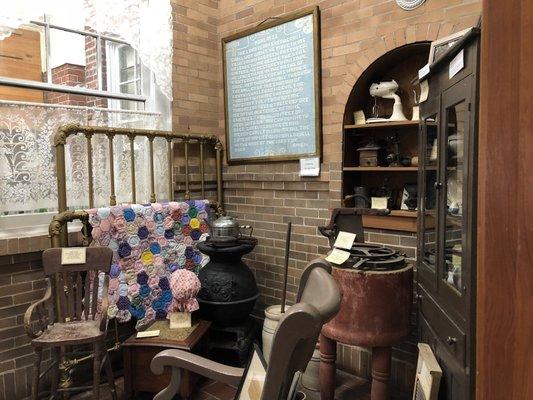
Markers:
(272, 90)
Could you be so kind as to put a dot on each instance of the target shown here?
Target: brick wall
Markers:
(70, 75)
(354, 33)
(21, 282)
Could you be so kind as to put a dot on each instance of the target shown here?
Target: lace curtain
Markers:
(145, 24)
(27, 159)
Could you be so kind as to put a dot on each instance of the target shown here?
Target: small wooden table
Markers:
(138, 354)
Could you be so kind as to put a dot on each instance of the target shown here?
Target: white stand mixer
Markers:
(387, 90)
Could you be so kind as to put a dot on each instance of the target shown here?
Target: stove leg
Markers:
(381, 368)
(328, 356)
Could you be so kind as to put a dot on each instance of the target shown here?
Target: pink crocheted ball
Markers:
(184, 285)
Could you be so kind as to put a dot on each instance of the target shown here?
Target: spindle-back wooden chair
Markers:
(82, 318)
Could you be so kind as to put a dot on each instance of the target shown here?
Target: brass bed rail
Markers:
(58, 232)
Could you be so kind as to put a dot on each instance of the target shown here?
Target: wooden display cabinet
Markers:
(447, 196)
(402, 65)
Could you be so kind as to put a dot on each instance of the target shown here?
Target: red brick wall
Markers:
(354, 33)
(69, 75)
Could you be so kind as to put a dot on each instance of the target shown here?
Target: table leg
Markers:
(381, 368)
(328, 356)
(128, 379)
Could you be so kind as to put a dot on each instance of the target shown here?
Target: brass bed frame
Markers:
(57, 229)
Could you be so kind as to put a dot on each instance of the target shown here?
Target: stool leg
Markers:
(109, 373)
(96, 370)
(328, 356)
(381, 367)
(36, 372)
(56, 359)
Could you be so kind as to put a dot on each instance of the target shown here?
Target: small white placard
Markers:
(180, 320)
(380, 203)
(73, 255)
(424, 91)
(310, 166)
(338, 256)
(147, 334)
(345, 240)
(456, 64)
(422, 72)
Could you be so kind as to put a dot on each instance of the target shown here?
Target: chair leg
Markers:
(109, 373)
(96, 370)
(36, 372)
(56, 359)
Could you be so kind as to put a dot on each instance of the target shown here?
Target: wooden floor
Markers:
(348, 388)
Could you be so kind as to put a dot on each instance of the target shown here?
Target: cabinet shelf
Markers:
(378, 125)
(379, 169)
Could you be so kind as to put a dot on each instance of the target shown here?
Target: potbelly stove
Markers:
(228, 296)
(376, 284)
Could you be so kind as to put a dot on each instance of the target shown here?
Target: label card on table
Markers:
(180, 320)
(73, 255)
(380, 203)
(345, 240)
(338, 256)
(147, 334)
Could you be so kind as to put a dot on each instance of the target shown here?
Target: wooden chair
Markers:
(80, 321)
(317, 302)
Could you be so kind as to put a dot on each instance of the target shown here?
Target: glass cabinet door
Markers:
(456, 126)
(429, 199)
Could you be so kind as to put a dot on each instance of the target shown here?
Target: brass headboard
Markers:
(58, 233)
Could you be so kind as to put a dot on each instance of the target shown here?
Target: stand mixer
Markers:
(387, 90)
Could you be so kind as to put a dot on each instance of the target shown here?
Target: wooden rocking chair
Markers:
(80, 322)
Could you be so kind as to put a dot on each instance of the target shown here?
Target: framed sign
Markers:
(272, 90)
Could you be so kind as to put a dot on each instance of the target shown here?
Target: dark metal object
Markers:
(348, 220)
(229, 290)
(286, 266)
(232, 344)
(361, 197)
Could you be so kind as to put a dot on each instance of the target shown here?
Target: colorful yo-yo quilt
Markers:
(149, 242)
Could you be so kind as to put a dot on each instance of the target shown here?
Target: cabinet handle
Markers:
(438, 185)
(419, 296)
(451, 340)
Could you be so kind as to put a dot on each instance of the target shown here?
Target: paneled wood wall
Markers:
(505, 219)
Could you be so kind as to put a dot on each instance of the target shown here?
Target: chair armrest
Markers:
(202, 366)
(42, 321)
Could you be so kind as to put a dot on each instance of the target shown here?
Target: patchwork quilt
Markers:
(149, 242)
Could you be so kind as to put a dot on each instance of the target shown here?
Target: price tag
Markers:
(424, 91)
(73, 255)
(338, 256)
(345, 240)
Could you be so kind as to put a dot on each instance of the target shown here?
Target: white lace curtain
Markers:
(145, 24)
(27, 158)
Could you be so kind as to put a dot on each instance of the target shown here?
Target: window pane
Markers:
(456, 120)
